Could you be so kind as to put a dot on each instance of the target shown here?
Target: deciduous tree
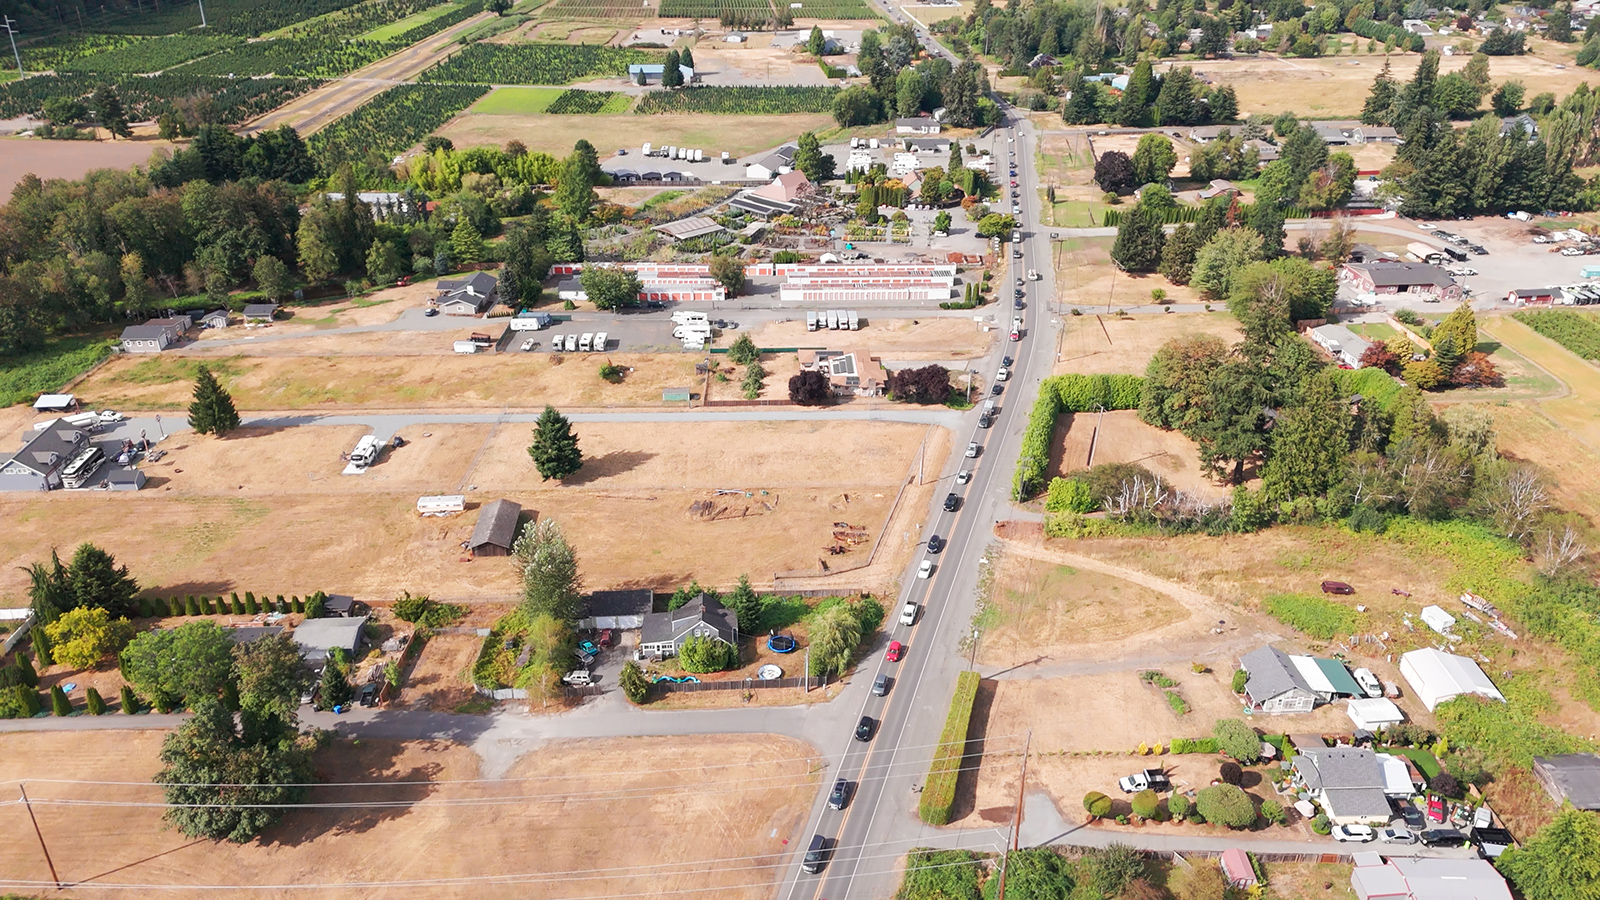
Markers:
(729, 272)
(222, 785)
(610, 289)
(809, 388)
(1226, 804)
(551, 585)
(1153, 159)
(85, 636)
(181, 666)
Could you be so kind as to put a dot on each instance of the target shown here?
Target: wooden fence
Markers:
(678, 687)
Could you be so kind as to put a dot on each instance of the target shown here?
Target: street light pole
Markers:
(10, 26)
(972, 661)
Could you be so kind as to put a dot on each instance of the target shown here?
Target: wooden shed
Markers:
(496, 530)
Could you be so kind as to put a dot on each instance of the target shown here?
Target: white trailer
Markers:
(600, 342)
(833, 320)
(366, 451)
(811, 317)
(855, 320)
(586, 341)
(699, 157)
(725, 159)
(466, 346)
(441, 505)
(572, 343)
(685, 316)
(530, 321)
(646, 148)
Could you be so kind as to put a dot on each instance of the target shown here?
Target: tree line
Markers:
(903, 83)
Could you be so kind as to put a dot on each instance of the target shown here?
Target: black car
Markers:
(997, 389)
(935, 544)
(864, 728)
(1018, 304)
(369, 694)
(840, 798)
(984, 421)
(951, 503)
(1413, 817)
(1475, 248)
(1443, 837)
(1005, 361)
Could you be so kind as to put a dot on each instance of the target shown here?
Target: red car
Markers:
(1436, 808)
(896, 650)
(1016, 335)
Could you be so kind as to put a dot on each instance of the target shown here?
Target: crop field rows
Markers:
(713, 9)
(589, 103)
(485, 63)
(153, 55)
(306, 57)
(240, 17)
(600, 9)
(834, 9)
(392, 121)
(758, 101)
(358, 20)
(237, 99)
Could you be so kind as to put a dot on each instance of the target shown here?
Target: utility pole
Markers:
(202, 13)
(972, 659)
(48, 861)
(1016, 824)
(11, 29)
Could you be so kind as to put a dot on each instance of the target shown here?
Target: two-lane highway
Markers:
(880, 822)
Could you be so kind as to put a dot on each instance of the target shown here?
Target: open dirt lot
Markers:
(1121, 437)
(446, 381)
(267, 510)
(1095, 344)
(1336, 86)
(568, 834)
(738, 135)
(68, 159)
(742, 64)
(933, 338)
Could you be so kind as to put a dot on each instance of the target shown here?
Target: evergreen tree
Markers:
(909, 91)
(1178, 254)
(94, 704)
(318, 260)
(1139, 241)
(1154, 159)
(1082, 106)
(815, 43)
(575, 194)
(686, 58)
(1133, 110)
(59, 704)
(383, 262)
(551, 585)
(212, 411)
(26, 674)
(108, 109)
(1380, 100)
(810, 159)
(671, 75)
(466, 243)
(1507, 99)
(1222, 104)
(271, 276)
(130, 703)
(1310, 443)
(1266, 219)
(334, 689)
(555, 448)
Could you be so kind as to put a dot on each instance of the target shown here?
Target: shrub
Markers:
(130, 703)
(59, 704)
(25, 671)
(298, 604)
(1316, 616)
(634, 685)
(702, 654)
(1321, 825)
(1240, 679)
(1069, 495)
(19, 702)
(1178, 805)
(1097, 804)
(1151, 676)
(1273, 812)
(158, 607)
(207, 606)
(146, 610)
(939, 790)
(251, 606)
(1226, 804)
(1230, 773)
(191, 606)
(1446, 784)
(314, 605)
(1145, 803)
(94, 703)
(1237, 740)
(1177, 703)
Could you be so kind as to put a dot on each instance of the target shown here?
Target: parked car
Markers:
(1443, 837)
(864, 728)
(109, 416)
(1353, 834)
(1154, 779)
(1478, 250)
(1397, 834)
(895, 652)
(1369, 682)
(839, 798)
(1337, 587)
(368, 695)
(1436, 811)
(1492, 841)
(908, 614)
(1412, 817)
(431, 312)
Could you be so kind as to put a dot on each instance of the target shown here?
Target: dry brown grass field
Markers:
(738, 135)
(1119, 437)
(1095, 343)
(597, 818)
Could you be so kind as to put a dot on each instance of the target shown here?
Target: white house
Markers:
(773, 164)
(1436, 676)
(1341, 343)
(917, 125)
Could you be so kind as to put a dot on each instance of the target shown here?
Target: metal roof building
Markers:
(496, 530)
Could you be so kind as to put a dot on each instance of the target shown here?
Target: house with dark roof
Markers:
(155, 335)
(1571, 777)
(320, 637)
(773, 164)
(663, 634)
(37, 466)
(1521, 296)
(260, 312)
(1394, 277)
(1346, 782)
(496, 530)
(1280, 682)
(926, 144)
(623, 610)
(249, 634)
(217, 318)
(469, 296)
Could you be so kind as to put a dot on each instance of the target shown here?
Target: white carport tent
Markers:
(55, 403)
(1436, 676)
(1374, 713)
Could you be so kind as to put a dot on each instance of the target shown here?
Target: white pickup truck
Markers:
(1152, 779)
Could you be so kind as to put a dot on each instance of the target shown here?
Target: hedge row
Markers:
(190, 605)
(939, 792)
(1193, 745)
(1066, 393)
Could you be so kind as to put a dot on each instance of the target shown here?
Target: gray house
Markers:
(664, 633)
(217, 318)
(470, 296)
(621, 610)
(496, 530)
(155, 335)
(37, 466)
(320, 637)
(260, 312)
(1347, 783)
(1275, 685)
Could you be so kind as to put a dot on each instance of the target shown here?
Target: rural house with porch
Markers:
(664, 633)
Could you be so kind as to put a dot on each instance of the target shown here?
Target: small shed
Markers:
(496, 530)
(260, 312)
(340, 606)
(1437, 619)
(125, 479)
(1237, 869)
(1374, 713)
(56, 403)
(217, 318)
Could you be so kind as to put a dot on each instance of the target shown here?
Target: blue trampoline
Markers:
(781, 643)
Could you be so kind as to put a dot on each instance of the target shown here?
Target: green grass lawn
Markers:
(517, 101)
(24, 377)
(1077, 214)
(1375, 331)
(1423, 759)
(395, 29)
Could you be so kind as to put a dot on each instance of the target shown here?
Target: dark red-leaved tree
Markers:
(1477, 370)
(1378, 356)
(809, 388)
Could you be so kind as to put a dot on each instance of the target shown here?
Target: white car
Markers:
(527, 344)
(1426, 226)
(1003, 374)
(1353, 834)
(926, 569)
(908, 613)
(972, 449)
(963, 476)
(1369, 682)
(108, 416)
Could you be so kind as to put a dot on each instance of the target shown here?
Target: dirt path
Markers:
(1193, 637)
(312, 112)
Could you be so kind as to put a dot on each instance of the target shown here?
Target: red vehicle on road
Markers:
(896, 650)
